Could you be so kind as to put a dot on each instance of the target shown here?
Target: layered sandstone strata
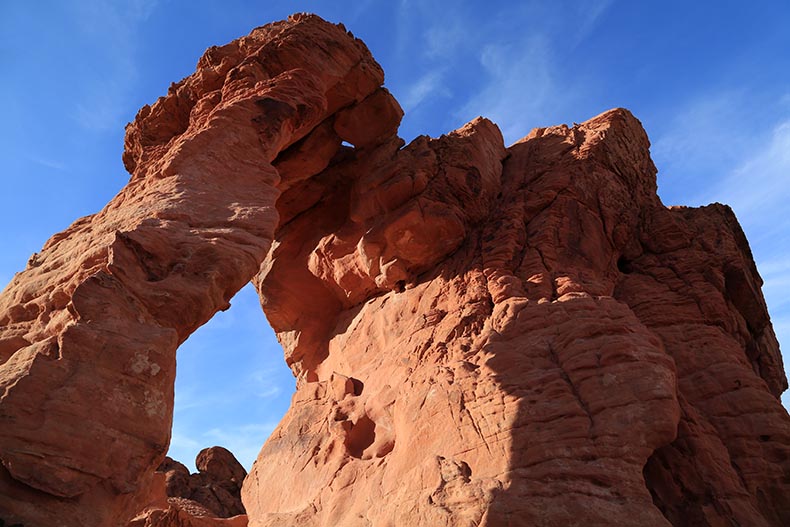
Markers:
(481, 335)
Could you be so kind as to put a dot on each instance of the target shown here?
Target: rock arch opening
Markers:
(232, 386)
(107, 302)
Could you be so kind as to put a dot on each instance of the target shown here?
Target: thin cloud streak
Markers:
(48, 163)
(443, 41)
(429, 85)
(517, 90)
(702, 136)
(185, 402)
(590, 14)
(264, 384)
(259, 385)
(181, 442)
(760, 187)
(113, 25)
(244, 441)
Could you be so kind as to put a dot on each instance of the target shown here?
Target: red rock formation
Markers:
(178, 498)
(540, 373)
(481, 335)
(216, 485)
(90, 328)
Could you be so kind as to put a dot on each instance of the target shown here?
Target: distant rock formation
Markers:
(481, 335)
(181, 499)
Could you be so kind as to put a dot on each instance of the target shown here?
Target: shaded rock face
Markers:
(481, 335)
(180, 499)
(216, 485)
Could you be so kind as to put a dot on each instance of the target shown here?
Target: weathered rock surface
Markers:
(178, 498)
(522, 337)
(216, 485)
(481, 335)
(90, 328)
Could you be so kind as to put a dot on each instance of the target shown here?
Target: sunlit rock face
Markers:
(481, 335)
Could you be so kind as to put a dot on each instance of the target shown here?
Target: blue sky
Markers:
(709, 80)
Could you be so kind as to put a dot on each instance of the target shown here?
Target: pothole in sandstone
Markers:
(232, 384)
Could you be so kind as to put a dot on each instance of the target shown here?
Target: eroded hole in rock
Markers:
(232, 387)
(624, 265)
(358, 386)
(361, 435)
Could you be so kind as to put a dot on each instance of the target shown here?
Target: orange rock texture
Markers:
(481, 335)
(204, 499)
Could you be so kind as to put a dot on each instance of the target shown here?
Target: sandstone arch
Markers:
(482, 336)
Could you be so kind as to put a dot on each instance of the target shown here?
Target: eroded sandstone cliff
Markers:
(481, 335)
(205, 498)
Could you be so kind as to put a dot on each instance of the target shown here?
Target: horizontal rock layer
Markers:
(481, 335)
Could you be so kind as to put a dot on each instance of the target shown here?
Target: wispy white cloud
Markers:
(759, 188)
(747, 168)
(520, 85)
(179, 442)
(204, 417)
(521, 81)
(443, 40)
(429, 85)
(429, 41)
(404, 28)
(48, 163)
(266, 383)
(137, 9)
(715, 149)
(103, 111)
(355, 11)
(244, 441)
(193, 397)
(589, 15)
(776, 289)
(113, 26)
(702, 135)
(231, 385)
